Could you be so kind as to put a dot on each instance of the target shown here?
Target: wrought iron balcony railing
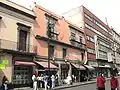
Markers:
(16, 46)
(52, 35)
(77, 44)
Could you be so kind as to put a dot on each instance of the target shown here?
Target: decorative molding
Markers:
(16, 15)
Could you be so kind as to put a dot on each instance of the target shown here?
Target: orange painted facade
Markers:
(62, 27)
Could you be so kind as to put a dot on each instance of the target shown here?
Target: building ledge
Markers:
(58, 42)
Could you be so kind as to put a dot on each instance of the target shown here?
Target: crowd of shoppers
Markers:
(43, 81)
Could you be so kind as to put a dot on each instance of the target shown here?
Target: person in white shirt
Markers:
(53, 81)
(34, 78)
(40, 80)
(69, 79)
(46, 82)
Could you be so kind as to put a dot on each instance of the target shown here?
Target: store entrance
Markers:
(22, 76)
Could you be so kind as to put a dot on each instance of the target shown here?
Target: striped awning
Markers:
(79, 66)
(24, 63)
(89, 67)
(45, 65)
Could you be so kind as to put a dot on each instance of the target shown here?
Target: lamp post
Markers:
(49, 27)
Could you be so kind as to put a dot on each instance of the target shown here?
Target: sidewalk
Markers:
(64, 86)
(74, 84)
(27, 88)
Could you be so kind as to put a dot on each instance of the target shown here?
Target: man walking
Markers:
(114, 83)
(101, 82)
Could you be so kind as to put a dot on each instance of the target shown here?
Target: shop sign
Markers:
(93, 63)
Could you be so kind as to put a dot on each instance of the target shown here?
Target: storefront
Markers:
(22, 71)
(77, 72)
(42, 68)
(64, 71)
(101, 67)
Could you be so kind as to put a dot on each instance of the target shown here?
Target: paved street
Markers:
(91, 85)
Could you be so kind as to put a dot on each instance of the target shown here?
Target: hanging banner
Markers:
(4, 62)
(2, 67)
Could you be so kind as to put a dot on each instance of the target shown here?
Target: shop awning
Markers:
(79, 66)
(89, 67)
(45, 65)
(24, 63)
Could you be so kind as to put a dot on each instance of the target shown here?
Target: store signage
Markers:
(93, 63)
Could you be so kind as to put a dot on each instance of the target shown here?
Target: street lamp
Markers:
(49, 28)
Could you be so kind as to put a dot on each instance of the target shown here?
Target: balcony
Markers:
(15, 46)
(52, 35)
(77, 44)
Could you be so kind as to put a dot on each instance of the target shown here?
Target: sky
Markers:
(101, 8)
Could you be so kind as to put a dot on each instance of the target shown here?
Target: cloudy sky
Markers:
(101, 8)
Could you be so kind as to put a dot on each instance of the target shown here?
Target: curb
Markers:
(73, 85)
(24, 88)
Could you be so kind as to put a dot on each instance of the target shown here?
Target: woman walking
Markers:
(101, 82)
(114, 83)
(34, 78)
(4, 83)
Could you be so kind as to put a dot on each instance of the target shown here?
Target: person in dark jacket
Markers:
(4, 83)
(114, 83)
(101, 82)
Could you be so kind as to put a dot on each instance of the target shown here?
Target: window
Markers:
(101, 26)
(89, 50)
(92, 39)
(80, 39)
(104, 44)
(94, 30)
(82, 56)
(102, 55)
(64, 53)
(51, 48)
(72, 36)
(21, 75)
(89, 38)
(52, 27)
(88, 17)
(96, 22)
(88, 26)
(23, 36)
(22, 40)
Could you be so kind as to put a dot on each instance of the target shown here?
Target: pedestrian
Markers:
(45, 82)
(101, 82)
(114, 83)
(4, 83)
(40, 81)
(34, 78)
(53, 81)
(56, 80)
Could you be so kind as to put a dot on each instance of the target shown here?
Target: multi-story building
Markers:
(116, 39)
(16, 43)
(98, 38)
(66, 43)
